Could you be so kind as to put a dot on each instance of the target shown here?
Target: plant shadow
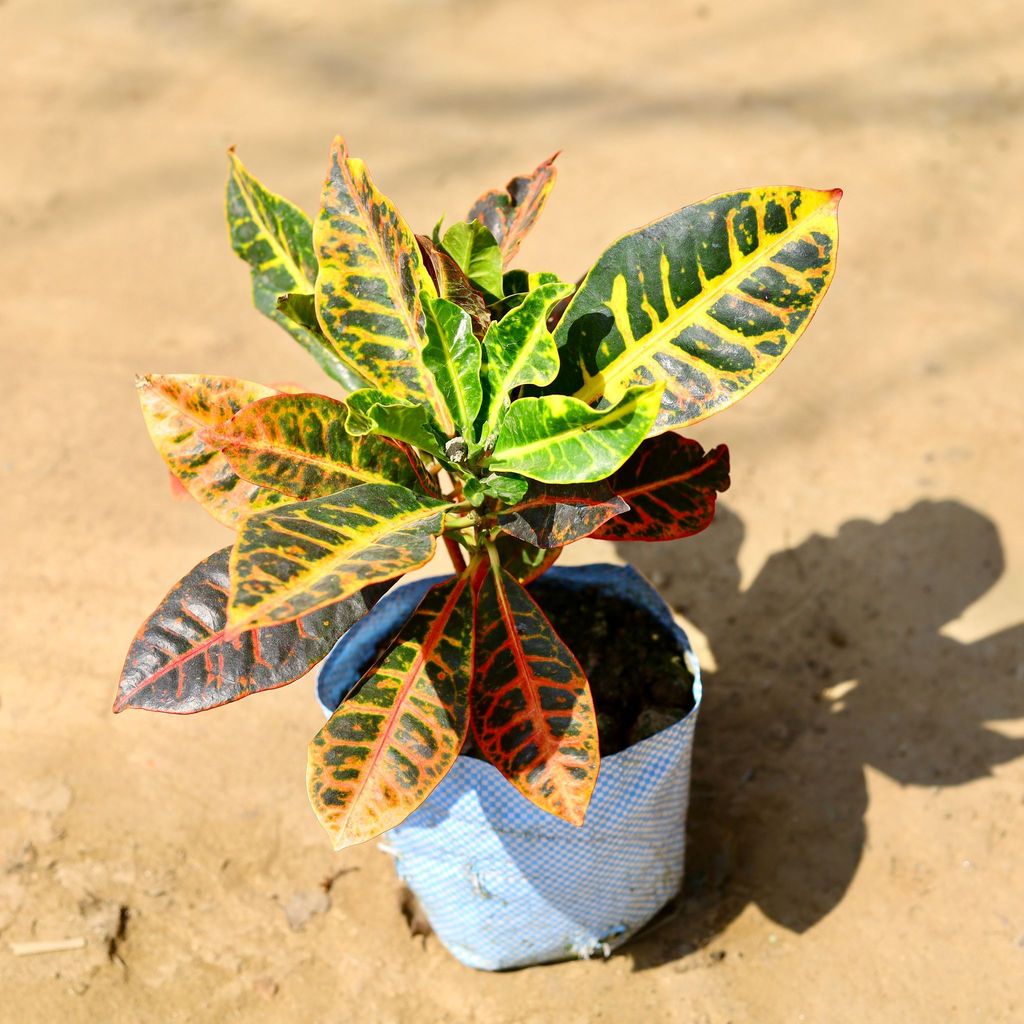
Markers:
(831, 661)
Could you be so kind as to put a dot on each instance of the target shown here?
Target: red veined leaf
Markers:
(177, 409)
(509, 213)
(184, 659)
(389, 744)
(551, 516)
(451, 283)
(531, 710)
(298, 444)
(524, 562)
(670, 485)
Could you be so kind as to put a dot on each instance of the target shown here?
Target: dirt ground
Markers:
(857, 820)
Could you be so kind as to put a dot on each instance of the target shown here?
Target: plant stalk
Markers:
(455, 554)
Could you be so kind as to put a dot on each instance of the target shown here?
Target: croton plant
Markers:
(503, 411)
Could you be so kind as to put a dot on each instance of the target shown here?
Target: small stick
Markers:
(51, 946)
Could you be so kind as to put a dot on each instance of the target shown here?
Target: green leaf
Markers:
(392, 741)
(453, 355)
(559, 440)
(474, 249)
(372, 412)
(512, 211)
(709, 300)
(532, 713)
(298, 444)
(520, 350)
(452, 284)
(368, 281)
(508, 489)
(305, 556)
(184, 658)
(524, 562)
(551, 516)
(275, 238)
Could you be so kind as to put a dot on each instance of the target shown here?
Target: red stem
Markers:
(455, 554)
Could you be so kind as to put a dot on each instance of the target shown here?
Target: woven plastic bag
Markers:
(505, 884)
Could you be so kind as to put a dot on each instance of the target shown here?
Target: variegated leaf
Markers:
(709, 300)
(372, 412)
(299, 444)
(389, 744)
(551, 516)
(670, 485)
(453, 356)
(477, 254)
(557, 439)
(368, 282)
(531, 710)
(520, 350)
(291, 561)
(509, 213)
(452, 284)
(178, 408)
(184, 658)
(275, 238)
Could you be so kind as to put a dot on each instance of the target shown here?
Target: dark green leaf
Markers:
(453, 355)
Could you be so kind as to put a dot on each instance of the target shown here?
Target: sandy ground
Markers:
(857, 821)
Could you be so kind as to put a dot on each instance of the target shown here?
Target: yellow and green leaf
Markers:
(307, 555)
(298, 444)
(453, 356)
(560, 440)
(708, 300)
(368, 282)
(532, 713)
(389, 744)
(275, 238)
(178, 409)
(520, 350)
(509, 213)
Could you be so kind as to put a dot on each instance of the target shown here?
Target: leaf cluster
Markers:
(505, 412)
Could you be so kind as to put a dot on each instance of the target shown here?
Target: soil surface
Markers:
(856, 825)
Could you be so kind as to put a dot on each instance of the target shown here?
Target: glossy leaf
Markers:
(709, 300)
(524, 562)
(184, 659)
(551, 516)
(520, 350)
(476, 252)
(509, 213)
(671, 486)
(372, 412)
(453, 355)
(178, 408)
(452, 284)
(275, 238)
(291, 561)
(389, 744)
(367, 286)
(557, 439)
(531, 710)
(299, 444)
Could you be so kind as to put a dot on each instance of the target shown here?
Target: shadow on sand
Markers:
(832, 660)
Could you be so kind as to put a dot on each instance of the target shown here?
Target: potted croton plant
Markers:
(505, 413)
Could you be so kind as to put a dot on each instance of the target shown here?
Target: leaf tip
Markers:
(836, 194)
